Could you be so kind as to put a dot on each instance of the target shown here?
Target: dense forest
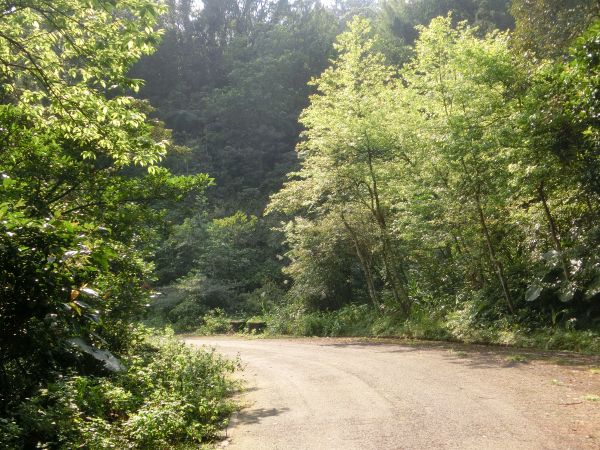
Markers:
(378, 162)
(424, 168)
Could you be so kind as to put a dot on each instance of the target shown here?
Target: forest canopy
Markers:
(420, 158)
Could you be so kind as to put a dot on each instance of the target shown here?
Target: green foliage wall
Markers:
(83, 201)
(231, 81)
(471, 169)
(437, 166)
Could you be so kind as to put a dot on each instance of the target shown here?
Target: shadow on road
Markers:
(473, 355)
(252, 416)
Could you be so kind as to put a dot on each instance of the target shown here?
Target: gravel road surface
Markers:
(345, 394)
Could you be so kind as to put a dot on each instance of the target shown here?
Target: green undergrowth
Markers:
(214, 321)
(170, 396)
(365, 321)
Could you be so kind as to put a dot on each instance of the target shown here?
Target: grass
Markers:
(363, 321)
(516, 359)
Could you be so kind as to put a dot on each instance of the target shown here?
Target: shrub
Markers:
(214, 322)
(170, 395)
(463, 325)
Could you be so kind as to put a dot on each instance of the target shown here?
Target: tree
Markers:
(233, 258)
(346, 148)
(559, 177)
(66, 61)
(403, 17)
(231, 79)
(79, 220)
(462, 85)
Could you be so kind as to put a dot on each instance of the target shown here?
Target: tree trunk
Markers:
(365, 262)
(395, 280)
(553, 230)
(492, 253)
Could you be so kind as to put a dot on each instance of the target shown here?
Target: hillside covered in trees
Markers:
(377, 162)
(424, 168)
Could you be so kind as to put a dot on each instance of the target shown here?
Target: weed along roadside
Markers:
(363, 322)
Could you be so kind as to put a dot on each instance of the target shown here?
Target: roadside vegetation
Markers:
(165, 395)
(362, 321)
(84, 202)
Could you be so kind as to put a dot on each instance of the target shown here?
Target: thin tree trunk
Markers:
(396, 282)
(492, 253)
(553, 230)
(365, 262)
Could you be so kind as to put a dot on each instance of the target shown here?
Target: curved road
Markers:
(349, 394)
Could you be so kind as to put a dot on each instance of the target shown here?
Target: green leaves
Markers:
(485, 167)
(59, 59)
(162, 393)
(78, 221)
(533, 293)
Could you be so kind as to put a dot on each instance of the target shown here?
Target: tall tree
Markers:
(78, 220)
(60, 59)
(345, 150)
(403, 16)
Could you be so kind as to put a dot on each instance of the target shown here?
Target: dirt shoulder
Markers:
(337, 393)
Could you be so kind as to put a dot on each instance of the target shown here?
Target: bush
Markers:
(170, 395)
(463, 325)
(350, 320)
(214, 322)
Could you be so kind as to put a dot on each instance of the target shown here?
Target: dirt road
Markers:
(347, 394)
